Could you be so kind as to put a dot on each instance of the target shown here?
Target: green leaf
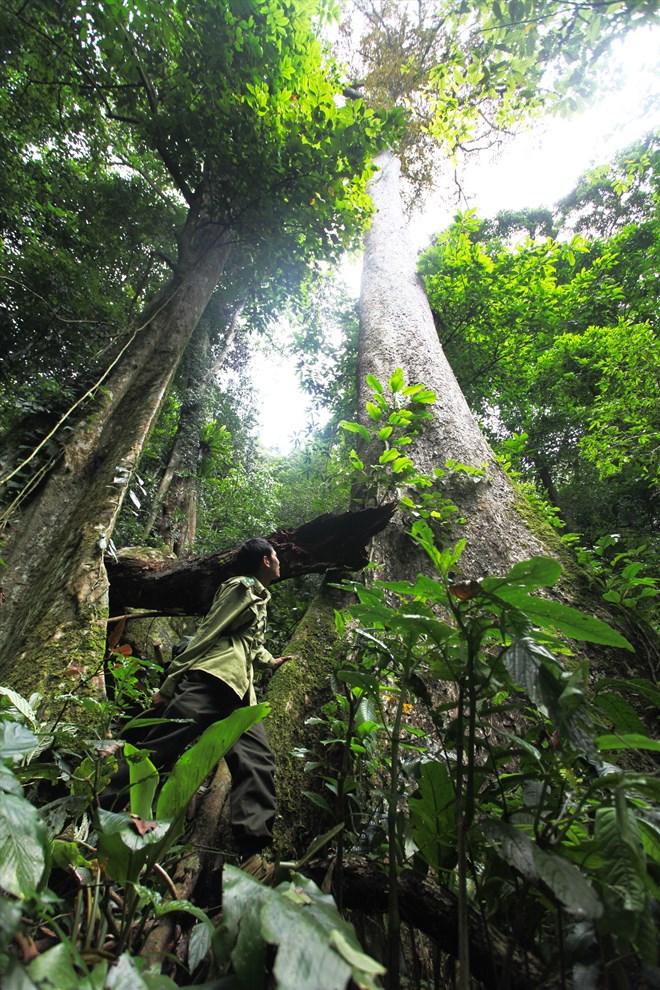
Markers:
(359, 679)
(564, 879)
(318, 800)
(127, 974)
(620, 714)
(356, 959)
(628, 741)
(24, 849)
(16, 741)
(144, 780)
(356, 428)
(55, 968)
(568, 884)
(527, 663)
(650, 835)
(433, 814)
(66, 853)
(537, 572)
(122, 851)
(550, 614)
(623, 875)
(319, 842)
(396, 382)
(21, 705)
(374, 384)
(374, 412)
(199, 945)
(638, 685)
(197, 762)
(425, 397)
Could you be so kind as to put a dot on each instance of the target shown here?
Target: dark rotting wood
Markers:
(329, 542)
(433, 909)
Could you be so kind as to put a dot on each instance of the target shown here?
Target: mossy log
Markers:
(326, 543)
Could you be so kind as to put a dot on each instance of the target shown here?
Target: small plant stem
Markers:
(562, 961)
(393, 916)
(341, 801)
(461, 850)
(93, 913)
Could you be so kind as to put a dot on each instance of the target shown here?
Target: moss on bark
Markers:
(298, 690)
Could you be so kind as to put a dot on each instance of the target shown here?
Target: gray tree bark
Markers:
(173, 515)
(397, 331)
(55, 589)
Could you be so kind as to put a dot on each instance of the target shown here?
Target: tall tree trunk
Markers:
(397, 330)
(56, 589)
(173, 515)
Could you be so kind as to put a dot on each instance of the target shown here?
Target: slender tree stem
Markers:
(393, 915)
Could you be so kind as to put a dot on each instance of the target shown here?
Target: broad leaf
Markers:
(194, 766)
(629, 741)
(20, 704)
(356, 428)
(425, 396)
(396, 382)
(638, 685)
(373, 383)
(122, 850)
(358, 961)
(16, 741)
(432, 813)
(568, 884)
(623, 875)
(620, 714)
(366, 718)
(564, 879)
(537, 572)
(55, 969)
(358, 679)
(144, 780)
(316, 948)
(553, 615)
(24, 849)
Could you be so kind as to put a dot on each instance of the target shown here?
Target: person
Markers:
(209, 680)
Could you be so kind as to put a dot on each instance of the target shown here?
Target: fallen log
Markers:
(187, 587)
(495, 960)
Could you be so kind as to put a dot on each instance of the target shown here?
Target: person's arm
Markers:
(263, 658)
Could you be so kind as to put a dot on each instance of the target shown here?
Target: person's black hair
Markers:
(250, 555)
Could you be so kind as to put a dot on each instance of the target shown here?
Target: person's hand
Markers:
(280, 660)
(159, 700)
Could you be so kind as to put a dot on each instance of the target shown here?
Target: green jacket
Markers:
(229, 640)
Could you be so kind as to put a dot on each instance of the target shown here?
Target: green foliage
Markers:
(316, 947)
(381, 470)
(622, 576)
(535, 804)
(555, 345)
(117, 116)
(461, 73)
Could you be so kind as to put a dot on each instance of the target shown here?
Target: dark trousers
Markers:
(206, 699)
